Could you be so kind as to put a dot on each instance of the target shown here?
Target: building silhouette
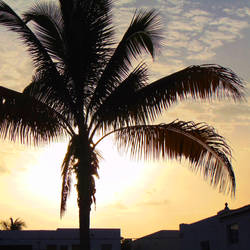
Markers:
(60, 239)
(227, 230)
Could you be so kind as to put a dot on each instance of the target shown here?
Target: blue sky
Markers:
(141, 197)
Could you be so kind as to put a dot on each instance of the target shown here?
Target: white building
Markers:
(60, 239)
(228, 230)
(162, 240)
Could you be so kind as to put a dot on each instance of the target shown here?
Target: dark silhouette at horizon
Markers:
(12, 225)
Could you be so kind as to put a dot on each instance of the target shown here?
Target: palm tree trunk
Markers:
(84, 191)
(84, 223)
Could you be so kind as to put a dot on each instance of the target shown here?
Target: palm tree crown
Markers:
(85, 86)
(12, 225)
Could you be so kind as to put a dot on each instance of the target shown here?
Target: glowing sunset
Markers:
(139, 196)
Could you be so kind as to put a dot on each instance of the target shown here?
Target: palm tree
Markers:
(16, 224)
(85, 87)
(126, 244)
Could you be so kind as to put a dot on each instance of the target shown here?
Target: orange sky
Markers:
(139, 197)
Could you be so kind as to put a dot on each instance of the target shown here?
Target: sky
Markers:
(139, 197)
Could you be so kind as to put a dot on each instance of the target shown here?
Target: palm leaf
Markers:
(142, 35)
(48, 26)
(202, 81)
(200, 144)
(116, 110)
(18, 224)
(52, 91)
(38, 52)
(11, 20)
(66, 12)
(4, 225)
(67, 168)
(26, 119)
(138, 103)
(86, 41)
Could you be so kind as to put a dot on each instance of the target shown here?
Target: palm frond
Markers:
(16, 224)
(38, 52)
(95, 156)
(4, 225)
(67, 168)
(54, 92)
(206, 151)
(86, 42)
(142, 35)
(14, 23)
(206, 81)
(24, 118)
(66, 11)
(48, 26)
(116, 111)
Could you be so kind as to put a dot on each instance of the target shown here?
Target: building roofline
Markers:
(232, 212)
(223, 214)
(155, 235)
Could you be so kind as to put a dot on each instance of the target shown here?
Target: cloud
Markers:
(195, 33)
(173, 7)
(120, 206)
(233, 113)
(15, 158)
(241, 12)
(4, 164)
(215, 39)
(195, 46)
(197, 13)
(164, 68)
(15, 64)
(116, 206)
(242, 132)
(230, 25)
(184, 25)
(151, 191)
(124, 3)
(153, 203)
(3, 170)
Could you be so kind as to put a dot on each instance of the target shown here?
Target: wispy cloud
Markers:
(116, 206)
(119, 206)
(15, 158)
(153, 203)
(3, 170)
(240, 12)
(233, 113)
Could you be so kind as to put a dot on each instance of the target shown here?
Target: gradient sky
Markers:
(139, 197)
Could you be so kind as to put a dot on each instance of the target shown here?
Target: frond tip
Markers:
(199, 143)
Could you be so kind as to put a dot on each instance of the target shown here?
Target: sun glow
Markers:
(43, 177)
(118, 174)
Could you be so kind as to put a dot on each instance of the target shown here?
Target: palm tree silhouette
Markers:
(16, 224)
(85, 87)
